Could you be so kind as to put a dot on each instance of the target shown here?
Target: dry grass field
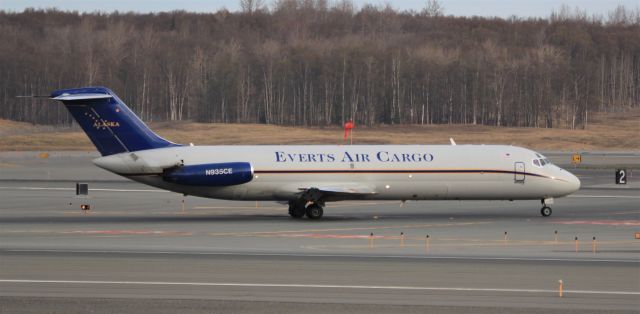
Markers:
(612, 131)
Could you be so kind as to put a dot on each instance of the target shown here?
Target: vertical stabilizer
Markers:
(108, 122)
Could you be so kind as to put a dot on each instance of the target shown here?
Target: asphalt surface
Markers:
(140, 250)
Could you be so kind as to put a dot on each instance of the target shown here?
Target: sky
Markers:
(488, 8)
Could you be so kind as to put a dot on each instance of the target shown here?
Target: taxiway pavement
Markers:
(138, 249)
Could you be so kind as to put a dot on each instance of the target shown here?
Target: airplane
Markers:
(306, 177)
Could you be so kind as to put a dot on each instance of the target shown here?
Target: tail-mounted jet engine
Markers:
(221, 174)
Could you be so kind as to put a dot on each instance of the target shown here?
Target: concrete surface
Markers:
(137, 250)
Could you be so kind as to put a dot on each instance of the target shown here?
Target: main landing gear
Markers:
(545, 211)
(298, 210)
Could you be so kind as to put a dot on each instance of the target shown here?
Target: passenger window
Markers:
(535, 162)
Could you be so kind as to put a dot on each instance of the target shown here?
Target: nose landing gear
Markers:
(545, 211)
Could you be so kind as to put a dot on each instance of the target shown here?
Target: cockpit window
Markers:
(541, 162)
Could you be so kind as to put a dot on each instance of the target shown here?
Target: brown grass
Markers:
(612, 131)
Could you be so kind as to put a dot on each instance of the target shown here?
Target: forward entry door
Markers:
(519, 174)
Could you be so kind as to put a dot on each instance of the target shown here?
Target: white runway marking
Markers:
(323, 286)
(73, 189)
(573, 260)
(603, 196)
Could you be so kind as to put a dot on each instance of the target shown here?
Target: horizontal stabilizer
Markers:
(88, 96)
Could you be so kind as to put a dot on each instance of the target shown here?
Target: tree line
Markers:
(308, 63)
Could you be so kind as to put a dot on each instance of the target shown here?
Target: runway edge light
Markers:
(560, 288)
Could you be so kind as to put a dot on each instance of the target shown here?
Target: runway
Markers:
(139, 249)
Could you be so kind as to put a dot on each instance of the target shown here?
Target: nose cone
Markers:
(572, 182)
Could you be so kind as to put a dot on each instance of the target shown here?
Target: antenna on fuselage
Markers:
(453, 143)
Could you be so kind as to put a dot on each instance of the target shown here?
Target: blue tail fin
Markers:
(110, 124)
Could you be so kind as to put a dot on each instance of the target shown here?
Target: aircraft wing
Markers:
(348, 189)
(328, 191)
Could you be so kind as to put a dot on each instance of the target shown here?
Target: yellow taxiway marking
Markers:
(9, 165)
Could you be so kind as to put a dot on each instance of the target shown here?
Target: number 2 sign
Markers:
(621, 176)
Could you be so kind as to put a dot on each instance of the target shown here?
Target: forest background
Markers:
(311, 63)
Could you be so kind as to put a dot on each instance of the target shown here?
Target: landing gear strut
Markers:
(545, 211)
(296, 209)
(314, 211)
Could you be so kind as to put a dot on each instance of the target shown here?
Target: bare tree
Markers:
(315, 62)
(250, 6)
(433, 9)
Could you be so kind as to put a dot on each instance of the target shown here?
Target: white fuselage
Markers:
(386, 172)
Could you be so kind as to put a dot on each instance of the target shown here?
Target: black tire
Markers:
(546, 211)
(297, 210)
(314, 211)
